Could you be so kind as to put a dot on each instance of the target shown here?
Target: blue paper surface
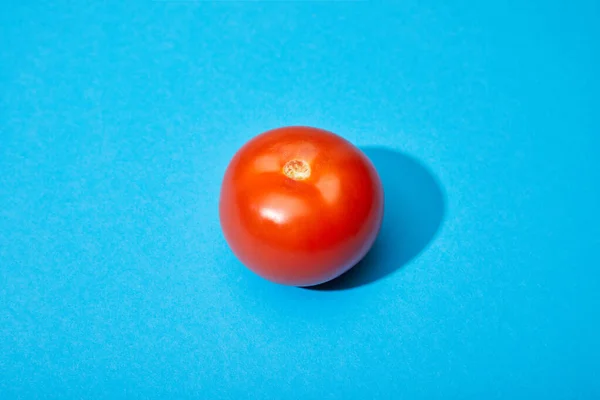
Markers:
(118, 119)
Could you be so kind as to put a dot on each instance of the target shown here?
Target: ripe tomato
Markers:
(300, 206)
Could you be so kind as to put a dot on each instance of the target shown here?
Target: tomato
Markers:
(300, 206)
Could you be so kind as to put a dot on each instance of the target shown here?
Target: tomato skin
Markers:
(300, 206)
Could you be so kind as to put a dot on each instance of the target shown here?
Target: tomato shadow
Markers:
(414, 210)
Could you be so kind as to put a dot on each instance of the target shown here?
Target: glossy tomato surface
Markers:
(300, 206)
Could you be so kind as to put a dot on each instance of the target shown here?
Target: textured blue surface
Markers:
(117, 121)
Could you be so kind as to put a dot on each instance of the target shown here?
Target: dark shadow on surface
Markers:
(413, 213)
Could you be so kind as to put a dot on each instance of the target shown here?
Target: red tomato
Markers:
(300, 206)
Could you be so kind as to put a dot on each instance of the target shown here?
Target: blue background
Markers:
(118, 119)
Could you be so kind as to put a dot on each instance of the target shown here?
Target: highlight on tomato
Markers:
(300, 206)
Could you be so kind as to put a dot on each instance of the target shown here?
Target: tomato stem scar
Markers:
(297, 170)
